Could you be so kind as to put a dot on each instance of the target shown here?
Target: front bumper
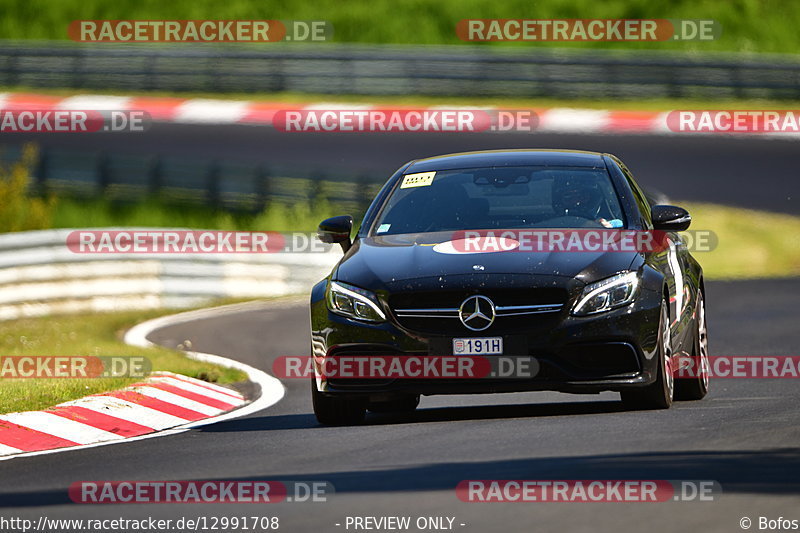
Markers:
(610, 351)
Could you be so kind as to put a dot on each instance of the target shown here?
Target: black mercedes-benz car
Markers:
(593, 319)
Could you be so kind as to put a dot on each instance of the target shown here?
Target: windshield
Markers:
(501, 198)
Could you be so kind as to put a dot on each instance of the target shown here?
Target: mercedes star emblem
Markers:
(477, 313)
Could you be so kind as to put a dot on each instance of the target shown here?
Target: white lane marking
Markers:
(197, 389)
(565, 119)
(211, 111)
(338, 106)
(659, 124)
(95, 102)
(61, 427)
(128, 411)
(175, 399)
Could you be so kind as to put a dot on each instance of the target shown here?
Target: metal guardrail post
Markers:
(317, 191)
(277, 76)
(103, 172)
(364, 197)
(149, 81)
(213, 189)
(156, 176)
(262, 186)
(13, 67)
(42, 171)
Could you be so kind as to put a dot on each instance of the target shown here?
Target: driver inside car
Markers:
(578, 196)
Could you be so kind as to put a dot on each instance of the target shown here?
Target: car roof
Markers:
(507, 158)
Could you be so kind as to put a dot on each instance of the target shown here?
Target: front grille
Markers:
(437, 312)
(501, 310)
(454, 298)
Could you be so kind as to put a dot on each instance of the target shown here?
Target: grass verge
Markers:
(100, 212)
(95, 334)
(747, 25)
(751, 244)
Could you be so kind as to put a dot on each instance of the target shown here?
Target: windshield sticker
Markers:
(383, 228)
(420, 179)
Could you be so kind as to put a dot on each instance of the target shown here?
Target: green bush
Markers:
(747, 25)
(19, 209)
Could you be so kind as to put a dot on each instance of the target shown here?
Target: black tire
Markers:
(695, 387)
(660, 393)
(402, 404)
(335, 411)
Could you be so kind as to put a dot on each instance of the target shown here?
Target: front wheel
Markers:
(695, 387)
(337, 411)
(659, 394)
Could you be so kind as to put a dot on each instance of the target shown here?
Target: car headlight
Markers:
(353, 302)
(607, 294)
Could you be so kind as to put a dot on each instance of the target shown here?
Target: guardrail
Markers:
(39, 275)
(217, 183)
(465, 70)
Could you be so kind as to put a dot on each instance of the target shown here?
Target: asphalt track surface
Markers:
(744, 435)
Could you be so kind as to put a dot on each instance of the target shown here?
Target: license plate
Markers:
(478, 346)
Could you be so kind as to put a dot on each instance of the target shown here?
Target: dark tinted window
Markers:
(506, 197)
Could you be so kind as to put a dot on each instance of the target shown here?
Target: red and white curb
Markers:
(210, 111)
(261, 113)
(161, 401)
(163, 404)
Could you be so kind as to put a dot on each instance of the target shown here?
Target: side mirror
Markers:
(670, 218)
(336, 229)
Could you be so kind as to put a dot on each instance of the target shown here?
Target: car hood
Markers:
(378, 262)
